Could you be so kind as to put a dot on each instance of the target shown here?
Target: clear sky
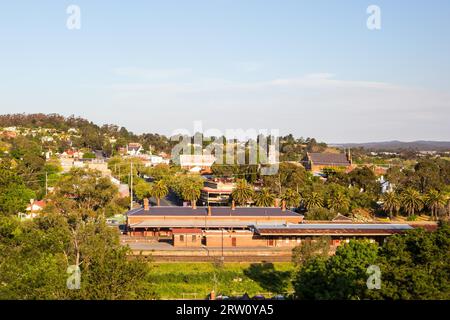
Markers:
(311, 68)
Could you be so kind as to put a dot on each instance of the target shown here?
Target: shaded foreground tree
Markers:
(414, 265)
(342, 276)
(35, 256)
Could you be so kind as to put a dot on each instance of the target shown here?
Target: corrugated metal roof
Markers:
(215, 211)
(329, 159)
(365, 226)
(331, 229)
(196, 224)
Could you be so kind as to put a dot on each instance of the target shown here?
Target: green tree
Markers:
(289, 175)
(85, 191)
(142, 189)
(411, 201)
(312, 248)
(243, 193)
(291, 197)
(342, 276)
(14, 195)
(159, 190)
(191, 192)
(391, 203)
(320, 214)
(435, 201)
(41, 250)
(264, 198)
(312, 200)
(415, 266)
(338, 201)
(364, 178)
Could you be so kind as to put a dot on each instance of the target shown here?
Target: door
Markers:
(233, 242)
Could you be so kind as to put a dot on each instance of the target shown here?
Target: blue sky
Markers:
(311, 68)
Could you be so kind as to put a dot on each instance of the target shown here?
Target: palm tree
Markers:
(191, 192)
(264, 198)
(291, 197)
(411, 201)
(159, 190)
(312, 200)
(435, 201)
(391, 202)
(338, 201)
(243, 192)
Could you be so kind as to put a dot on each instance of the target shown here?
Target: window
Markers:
(182, 238)
(194, 238)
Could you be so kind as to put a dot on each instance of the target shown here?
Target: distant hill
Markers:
(399, 145)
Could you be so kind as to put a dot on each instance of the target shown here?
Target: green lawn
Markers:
(196, 280)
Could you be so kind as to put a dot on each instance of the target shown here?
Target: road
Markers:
(170, 200)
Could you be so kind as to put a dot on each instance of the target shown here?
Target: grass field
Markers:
(196, 280)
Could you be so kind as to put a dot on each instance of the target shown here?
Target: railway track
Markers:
(255, 259)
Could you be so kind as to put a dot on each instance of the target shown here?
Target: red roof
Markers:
(186, 230)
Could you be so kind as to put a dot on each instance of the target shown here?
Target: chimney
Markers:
(209, 211)
(277, 202)
(283, 205)
(146, 206)
(233, 205)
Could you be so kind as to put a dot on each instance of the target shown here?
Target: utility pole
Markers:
(131, 185)
(222, 245)
(46, 183)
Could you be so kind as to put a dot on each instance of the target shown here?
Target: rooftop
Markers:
(197, 223)
(329, 159)
(215, 211)
(332, 229)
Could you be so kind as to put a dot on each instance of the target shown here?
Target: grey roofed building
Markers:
(332, 159)
(315, 161)
(193, 223)
(334, 229)
(215, 211)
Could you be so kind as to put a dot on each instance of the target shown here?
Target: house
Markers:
(99, 165)
(386, 186)
(134, 149)
(32, 209)
(9, 134)
(36, 205)
(196, 162)
(155, 160)
(217, 192)
(124, 190)
(316, 162)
